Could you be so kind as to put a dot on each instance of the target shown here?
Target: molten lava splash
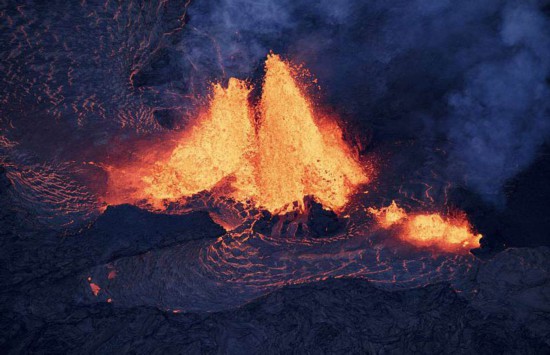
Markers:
(452, 234)
(274, 162)
(388, 216)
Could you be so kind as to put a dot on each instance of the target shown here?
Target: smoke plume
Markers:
(470, 74)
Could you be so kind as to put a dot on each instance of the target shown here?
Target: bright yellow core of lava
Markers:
(285, 155)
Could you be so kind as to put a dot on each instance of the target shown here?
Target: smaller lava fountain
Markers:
(452, 234)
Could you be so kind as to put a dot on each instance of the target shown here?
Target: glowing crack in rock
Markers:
(94, 287)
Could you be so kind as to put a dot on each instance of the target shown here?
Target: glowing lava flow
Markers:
(275, 161)
(452, 234)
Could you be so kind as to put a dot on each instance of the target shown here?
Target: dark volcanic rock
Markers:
(120, 231)
(167, 118)
(126, 230)
(335, 316)
(161, 69)
(4, 181)
(315, 221)
(133, 222)
(321, 222)
(516, 283)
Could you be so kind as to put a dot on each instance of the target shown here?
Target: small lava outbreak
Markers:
(451, 233)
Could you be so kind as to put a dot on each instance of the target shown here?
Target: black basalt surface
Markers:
(139, 230)
(334, 316)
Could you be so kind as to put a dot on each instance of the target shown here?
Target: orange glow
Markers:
(95, 288)
(219, 146)
(297, 155)
(448, 234)
(452, 234)
(286, 154)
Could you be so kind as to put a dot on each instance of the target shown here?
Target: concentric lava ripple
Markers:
(238, 267)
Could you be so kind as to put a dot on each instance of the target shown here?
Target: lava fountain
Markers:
(297, 155)
(270, 155)
(219, 146)
(274, 161)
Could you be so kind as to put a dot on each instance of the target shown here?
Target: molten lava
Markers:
(277, 160)
(388, 216)
(452, 234)
(298, 156)
(273, 154)
(220, 145)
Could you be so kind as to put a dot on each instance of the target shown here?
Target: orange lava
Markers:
(219, 146)
(274, 161)
(451, 234)
(297, 155)
(95, 288)
(388, 216)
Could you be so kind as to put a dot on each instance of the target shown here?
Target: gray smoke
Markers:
(472, 72)
(501, 116)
